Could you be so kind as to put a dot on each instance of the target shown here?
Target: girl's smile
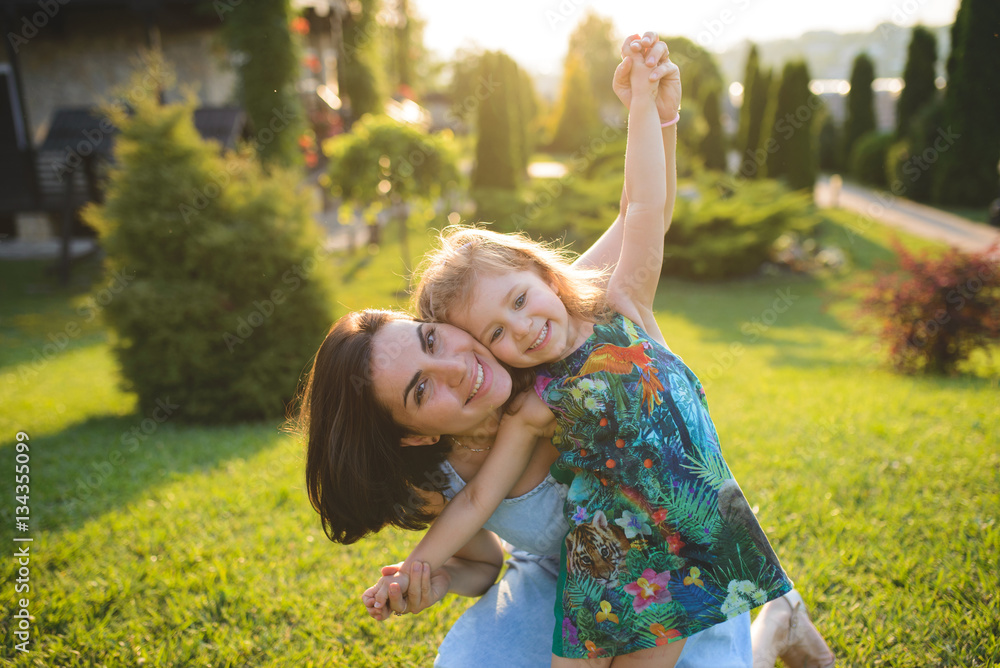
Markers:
(519, 316)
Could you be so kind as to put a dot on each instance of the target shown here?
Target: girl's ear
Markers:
(412, 440)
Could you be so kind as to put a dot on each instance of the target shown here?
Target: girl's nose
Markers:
(521, 326)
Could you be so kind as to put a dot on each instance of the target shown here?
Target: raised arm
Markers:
(606, 250)
(632, 286)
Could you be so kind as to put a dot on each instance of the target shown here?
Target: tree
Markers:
(388, 165)
(498, 161)
(755, 87)
(970, 150)
(712, 147)
(918, 78)
(358, 65)
(226, 294)
(260, 32)
(576, 115)
(860, 102)
(529, 115)
(788, 129)
(593, 43)
(699, 76)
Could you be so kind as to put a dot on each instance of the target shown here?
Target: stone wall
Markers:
(82, 59)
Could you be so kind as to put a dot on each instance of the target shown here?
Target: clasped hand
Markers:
(657, 57)
(393, 593)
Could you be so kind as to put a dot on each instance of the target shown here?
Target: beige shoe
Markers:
(783, 629)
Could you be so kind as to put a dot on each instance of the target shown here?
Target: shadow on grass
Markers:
(105, 463)
(749, 311)
(37, 316)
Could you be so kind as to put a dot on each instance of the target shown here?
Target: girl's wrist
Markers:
(667, 121)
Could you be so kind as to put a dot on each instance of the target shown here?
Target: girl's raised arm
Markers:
(607, 249)
(650, 184)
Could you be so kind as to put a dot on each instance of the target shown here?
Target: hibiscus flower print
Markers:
(649, 589)
(634, 524)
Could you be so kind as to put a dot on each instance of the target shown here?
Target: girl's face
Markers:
(519, 316)
(436, 379)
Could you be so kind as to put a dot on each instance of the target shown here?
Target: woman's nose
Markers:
(452, 370)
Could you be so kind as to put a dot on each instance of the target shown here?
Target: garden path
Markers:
(901, 213)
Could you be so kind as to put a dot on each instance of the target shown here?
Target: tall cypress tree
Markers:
(268, 72)
(358, 64)
(860, 102)
(967, 172)
(576, 115)
(755, 86)
(529, 114)
(712, 148)
(789, 134)
(918, 78)
(593, 42)
(496, 163)
(510, 75)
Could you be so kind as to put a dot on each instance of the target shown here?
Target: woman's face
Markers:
(436, 379)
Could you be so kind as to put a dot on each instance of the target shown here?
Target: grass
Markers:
(196, 546)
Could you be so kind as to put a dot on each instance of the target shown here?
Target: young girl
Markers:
(663, 544)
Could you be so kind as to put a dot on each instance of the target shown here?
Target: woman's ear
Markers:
(413, 439)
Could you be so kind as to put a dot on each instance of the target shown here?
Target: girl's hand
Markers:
(376, 596)
(528, 411)
(428, 588)
(668, 95)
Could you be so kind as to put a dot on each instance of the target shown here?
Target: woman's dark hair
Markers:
(358, 476)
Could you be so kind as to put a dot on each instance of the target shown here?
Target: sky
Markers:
(535, 33)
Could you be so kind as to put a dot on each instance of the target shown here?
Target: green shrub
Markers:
(868, 158)
(220, 297)
(381, 156)
(728, 231)
(502, 208)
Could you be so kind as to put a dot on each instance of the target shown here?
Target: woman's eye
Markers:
(519, 302)
(431, 338)
(496, 334)
(418, 393)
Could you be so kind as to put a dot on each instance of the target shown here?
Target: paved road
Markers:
(906, 215)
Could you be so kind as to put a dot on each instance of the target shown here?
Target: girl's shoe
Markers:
(785, 630)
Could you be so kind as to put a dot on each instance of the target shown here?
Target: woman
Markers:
(387, 388)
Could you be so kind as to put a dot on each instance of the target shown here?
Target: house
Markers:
(63, 58)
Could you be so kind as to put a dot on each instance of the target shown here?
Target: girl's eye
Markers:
(431, 338)
(496, 334)
(519, 302)
(418, 392)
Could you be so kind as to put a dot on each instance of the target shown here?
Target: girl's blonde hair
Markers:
(449, 274)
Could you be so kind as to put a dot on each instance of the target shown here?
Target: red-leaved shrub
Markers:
(934, 311)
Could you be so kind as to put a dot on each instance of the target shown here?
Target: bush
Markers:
(379, 152)
(868, 158)
(725, 232)
(934, 311)
(221, 298)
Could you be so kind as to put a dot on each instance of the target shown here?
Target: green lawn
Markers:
(197, 547)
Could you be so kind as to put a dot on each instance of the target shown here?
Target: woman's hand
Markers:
(425, 590)
(668, 95)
